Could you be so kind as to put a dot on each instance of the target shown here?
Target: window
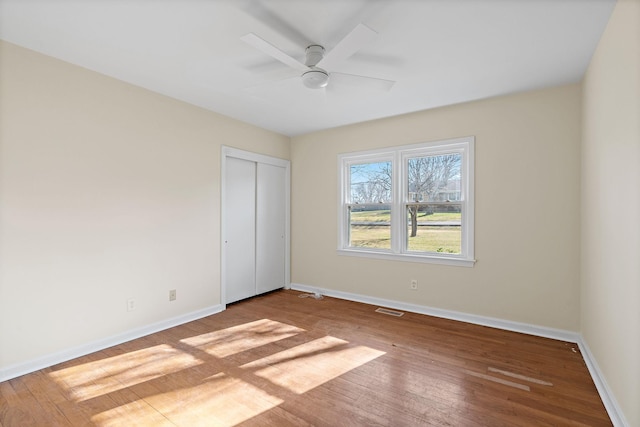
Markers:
(412, 203)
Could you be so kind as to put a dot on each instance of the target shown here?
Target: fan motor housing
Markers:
(316, 78)
(314, 53)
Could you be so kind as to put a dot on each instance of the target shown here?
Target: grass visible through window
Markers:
(370, 229)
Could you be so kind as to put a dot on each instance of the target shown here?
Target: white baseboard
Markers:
(19, 369)
(525, 328)
(608, 399)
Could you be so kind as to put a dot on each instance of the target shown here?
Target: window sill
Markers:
(428, 259)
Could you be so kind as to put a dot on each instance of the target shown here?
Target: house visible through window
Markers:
(412, 202)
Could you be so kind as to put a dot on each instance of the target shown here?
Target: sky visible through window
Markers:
(370, 182)
(360, 173)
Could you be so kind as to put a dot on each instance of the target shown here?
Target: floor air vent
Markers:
(389, 312)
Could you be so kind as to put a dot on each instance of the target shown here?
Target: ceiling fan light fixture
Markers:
(316, 78)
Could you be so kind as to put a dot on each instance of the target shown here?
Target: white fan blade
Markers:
(349, 45)
(273, 51)
(268, 16)
(360, 81)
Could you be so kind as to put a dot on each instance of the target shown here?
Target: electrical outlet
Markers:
(172, 295)
(413, 285)
(131, 304)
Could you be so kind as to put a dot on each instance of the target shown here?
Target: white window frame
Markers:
(399, 157)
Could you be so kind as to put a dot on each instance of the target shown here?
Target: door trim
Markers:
(258, 158)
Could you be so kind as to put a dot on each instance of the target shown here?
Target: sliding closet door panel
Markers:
(270, 229)
(240, 241)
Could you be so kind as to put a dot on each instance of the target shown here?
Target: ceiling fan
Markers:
(318, 60)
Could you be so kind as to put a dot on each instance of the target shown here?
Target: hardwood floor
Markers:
(280, 360)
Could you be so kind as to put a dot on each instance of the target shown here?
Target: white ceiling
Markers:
(439, 52)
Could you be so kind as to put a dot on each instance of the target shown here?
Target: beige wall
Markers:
(611, 207)
(527, 210)
(108, 192)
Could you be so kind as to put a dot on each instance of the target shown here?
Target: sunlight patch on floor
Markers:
(223, 398)
(309, 365)
(93, 379)
(217, 400)
(133, 413)
(237, 339)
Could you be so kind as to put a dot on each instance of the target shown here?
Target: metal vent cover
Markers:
(389, 312)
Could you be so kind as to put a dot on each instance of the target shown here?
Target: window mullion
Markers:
(397, 212)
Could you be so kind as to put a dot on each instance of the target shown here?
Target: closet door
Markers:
(270, 227)
(240, 241)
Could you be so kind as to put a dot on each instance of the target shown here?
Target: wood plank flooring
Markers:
(280, 360)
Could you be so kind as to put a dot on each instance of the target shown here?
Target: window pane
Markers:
(434, 178)
(370, 226)
(370, 182)
(434, 228)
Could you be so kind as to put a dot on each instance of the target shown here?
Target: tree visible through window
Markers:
(370, 209)
(413, 200)
(433, 203)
